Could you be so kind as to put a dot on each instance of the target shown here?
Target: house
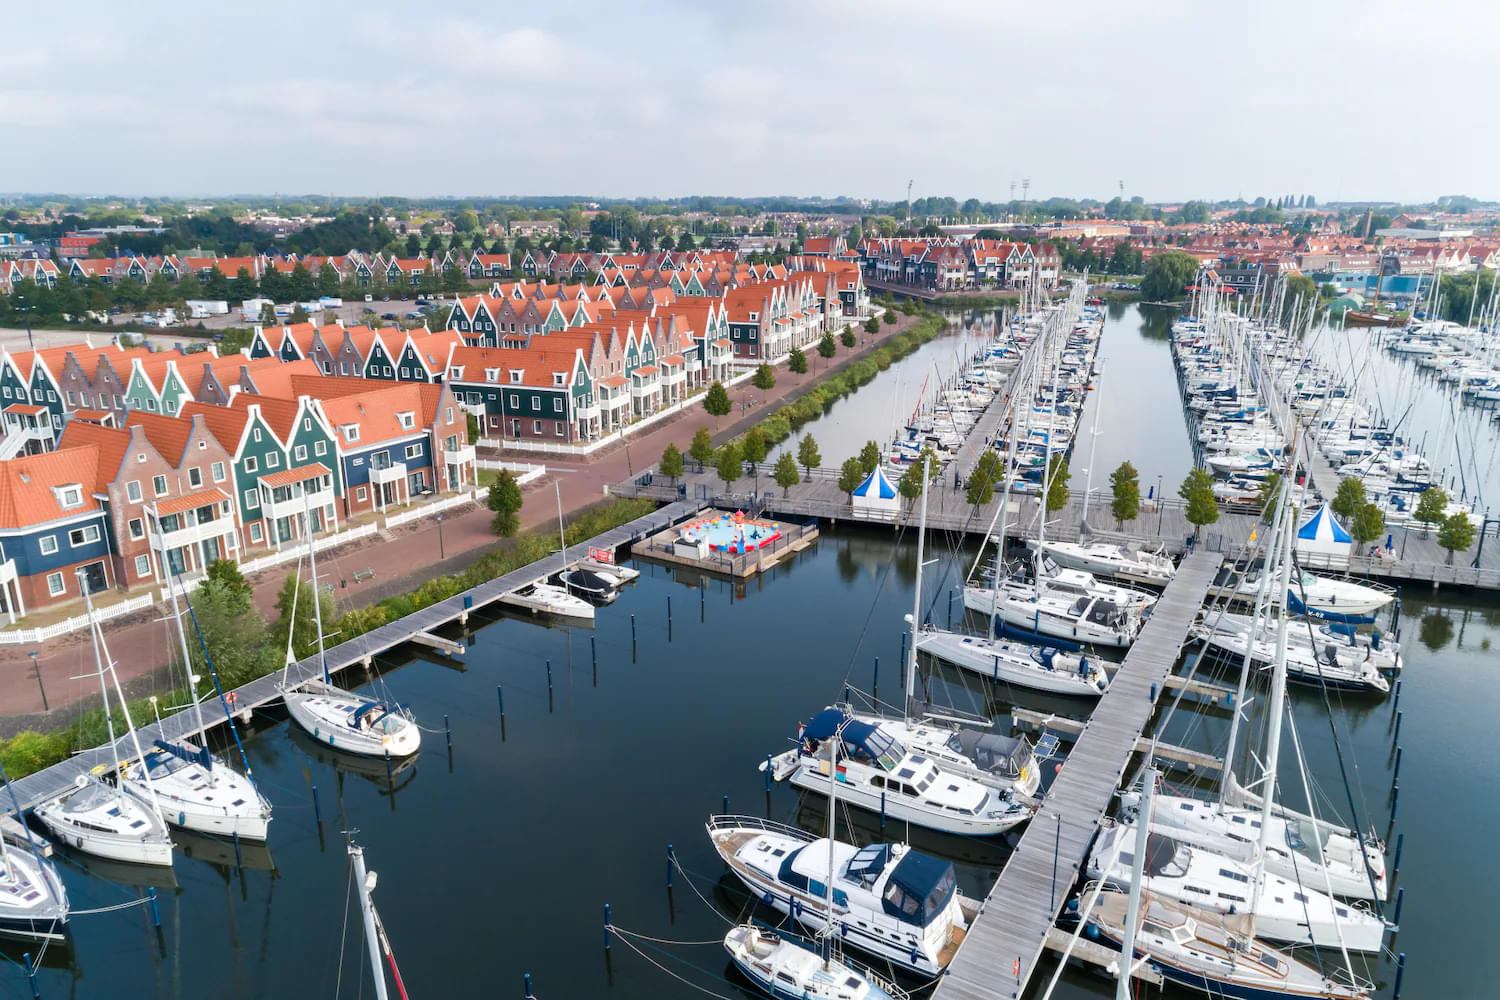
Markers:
(255, 451)
(54, 529)
(489, 265)
(542, 392)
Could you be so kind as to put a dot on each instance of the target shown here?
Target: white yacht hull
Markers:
(324, 712)
(996, 659)
(896, 807)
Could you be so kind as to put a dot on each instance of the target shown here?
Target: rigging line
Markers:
(110, 909)
(686, 982)
(656, 940)
(689, 879)
(344, 935)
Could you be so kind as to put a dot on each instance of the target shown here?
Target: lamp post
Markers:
(26, 308)
(36, 667)
(441, 553)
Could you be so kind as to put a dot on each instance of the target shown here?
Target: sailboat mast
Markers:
(1088, 482)
(1137, 882)
(317, 602)
(833, 766)
(916, 601)
(1041, 511)
(101, 658)
(94, 634)
(562, 535)
(367, 911)
(187, 660)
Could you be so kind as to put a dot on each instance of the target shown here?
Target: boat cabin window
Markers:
(1182, 935)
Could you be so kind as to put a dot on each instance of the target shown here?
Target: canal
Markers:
(621, 739)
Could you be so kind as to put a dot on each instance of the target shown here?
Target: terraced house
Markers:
(539, 393)
(256, 452)
(54, 529)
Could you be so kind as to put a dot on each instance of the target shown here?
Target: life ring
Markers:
(230, 699)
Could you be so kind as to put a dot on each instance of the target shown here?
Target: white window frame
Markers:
(56, 585)
(414, 450)
(218, 472)
(143, 566)
(251, 465)
(255, 532)
(252, 499)
(86, 535)
(195, 477)
(159, 485)
(136, 527)
(46, 540)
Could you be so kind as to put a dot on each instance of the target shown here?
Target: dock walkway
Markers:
(1012, 926)
(360, 650)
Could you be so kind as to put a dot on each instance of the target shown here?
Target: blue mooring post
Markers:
(606, 927)
(239, 859)
(670, 859)
(1153, 692)
(1396, 861)
(549, 676)
(669, 612)
(725, 810)
(500, 696)
(390, 778)
(1396, 701)
(1396, 771)
(155, 910)
(1400, 898)
(526, 986)
(1395, 799)
(882, 811)
(903, 648)
(1400, 975)
(317, 812)
(632, 630)
(448, 732)
(846, 694)
(36, 991)
(950, 609)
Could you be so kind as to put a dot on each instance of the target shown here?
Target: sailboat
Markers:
(342, 719)
(377, 943)
(98, 817)
(883, 775)
(1215, 953)
(33, 900)
(193, 788)
(561, 599)
(788, 970)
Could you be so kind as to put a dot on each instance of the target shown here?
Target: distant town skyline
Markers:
(1168, 100)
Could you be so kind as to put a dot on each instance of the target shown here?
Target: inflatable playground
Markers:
(733, 534)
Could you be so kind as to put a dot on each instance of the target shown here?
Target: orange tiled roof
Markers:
(189, 501)
(27, 496)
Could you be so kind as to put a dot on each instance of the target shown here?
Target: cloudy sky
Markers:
(1178, 100)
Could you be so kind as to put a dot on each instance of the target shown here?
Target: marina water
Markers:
(500, 863)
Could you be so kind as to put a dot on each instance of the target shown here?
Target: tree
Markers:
(910, 485)
(1366, 525)
(505, 500)
(267, 314)
(1168, 275)
(872, 325)
(1456, 533)
(227, 573)
(716, 400)
(234, 632)
(851, 474)
(807, 453)
(413, 245)
(847, 337)
(1432, 507)
(1125, 483)
(1270, 488)
(826, 346)
(300, 625)
(1057, 483)
(890, 318)
(730, 465)
(1349, 498)
(474, 428)
(299, 315)
(1198, 490)
(671, 462)
(763, 378)
(869, 457)
(785, 473)
(702, 448)
(980, 489)
(754, 446)
(797, 361)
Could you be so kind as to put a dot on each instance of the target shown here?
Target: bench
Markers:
(360, 576)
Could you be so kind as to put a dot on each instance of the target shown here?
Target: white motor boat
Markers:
(197, 791)
(888, 900)
(100, 819)
(352, 723)
(879, 774)
(1005, 661)
(33, 900)
(1286, 911)
(1106, 559)
(788, 970)
(1007, 761)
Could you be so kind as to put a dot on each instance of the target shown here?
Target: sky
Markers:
(1174, 100)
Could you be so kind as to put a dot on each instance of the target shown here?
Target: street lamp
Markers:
(441, 553)
(36, 666)
(26, 308)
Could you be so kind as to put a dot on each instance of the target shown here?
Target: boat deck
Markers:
(1014, 922)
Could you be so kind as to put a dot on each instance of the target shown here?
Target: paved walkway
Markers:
(403, 559)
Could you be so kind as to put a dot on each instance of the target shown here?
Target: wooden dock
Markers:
(1005, 941)
(793, 537)
(361, 650)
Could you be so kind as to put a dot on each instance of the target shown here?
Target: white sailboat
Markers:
(33, 899)
(193, 788)
(342, 719)
(98, 817)
(789, 971)
(1108, 559)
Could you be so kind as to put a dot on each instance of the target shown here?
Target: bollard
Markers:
(155, 910)
(526, 985)
(606, 927)
(36, 991)
(390, 779)
(1396, 771)
(549, 676)
(768, 772)
(500, 695)
(670, 859)
(448, 732)
(1395, 800)
(317, 813)
(1400, 975)
(1400, 898)
(239, 859)
(594, 652)
(1396, 701)
(1397, 734)
(1396, 861)
(632, 630)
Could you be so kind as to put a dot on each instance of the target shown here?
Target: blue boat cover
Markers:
(919, 888)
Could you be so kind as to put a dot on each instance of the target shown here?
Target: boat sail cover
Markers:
(876, 497)
(1322, 535)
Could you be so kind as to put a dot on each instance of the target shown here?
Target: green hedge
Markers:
(29, 751)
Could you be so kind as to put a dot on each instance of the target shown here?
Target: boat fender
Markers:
(1093, 931)
(181, 818)
(1083, 666)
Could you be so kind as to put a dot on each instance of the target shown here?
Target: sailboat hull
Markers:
(1215, 986)
(325, 715)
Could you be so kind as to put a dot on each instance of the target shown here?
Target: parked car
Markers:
(390, 316)
(414, 315)
(369, 297)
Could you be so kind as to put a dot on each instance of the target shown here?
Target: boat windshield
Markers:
(885, 751)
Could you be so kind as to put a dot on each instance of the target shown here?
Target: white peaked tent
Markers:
(1322, 537)
(876, 498)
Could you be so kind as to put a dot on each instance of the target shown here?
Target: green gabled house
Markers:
(156, 386)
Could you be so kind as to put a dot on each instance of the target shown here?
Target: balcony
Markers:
(191, 534)
(393, 473)
(587, 412)
(461, 456)
(284, 494)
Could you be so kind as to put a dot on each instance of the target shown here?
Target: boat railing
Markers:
(727, 822)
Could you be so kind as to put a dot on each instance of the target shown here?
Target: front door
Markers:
(93, 577)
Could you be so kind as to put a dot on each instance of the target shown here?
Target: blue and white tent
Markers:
(876, 497)
(1322, 534)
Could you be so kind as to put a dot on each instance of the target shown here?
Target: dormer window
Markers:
(558, 378)
(350, 432)
(515, 376)
(407, 420)
(70, 496)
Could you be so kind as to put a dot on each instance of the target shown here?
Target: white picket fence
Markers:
(290, 553)
(525, 472)
(428, 509)
(24, 636)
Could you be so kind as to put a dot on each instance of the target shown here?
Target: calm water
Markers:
(500, 862)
